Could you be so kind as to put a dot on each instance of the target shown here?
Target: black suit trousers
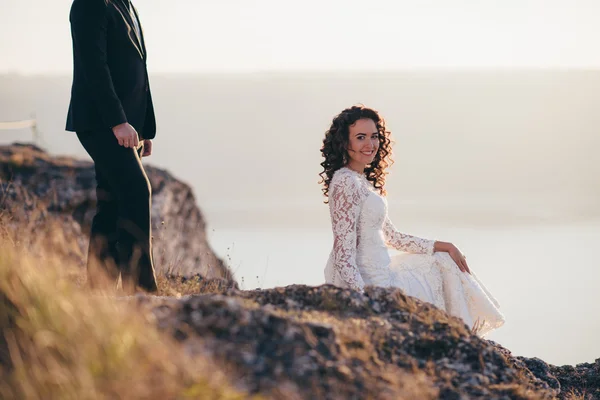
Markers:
(121, 232)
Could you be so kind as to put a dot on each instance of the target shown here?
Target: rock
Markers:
(332, 343)
(542, 371)
(564, 381)
(583, 379)
(50, 200)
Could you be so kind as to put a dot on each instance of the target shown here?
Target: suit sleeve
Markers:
(88, 29)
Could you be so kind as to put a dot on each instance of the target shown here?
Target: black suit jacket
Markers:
(110, 78)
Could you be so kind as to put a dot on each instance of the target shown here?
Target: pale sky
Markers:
(249, 35)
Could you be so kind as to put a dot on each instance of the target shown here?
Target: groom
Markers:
(111, 111)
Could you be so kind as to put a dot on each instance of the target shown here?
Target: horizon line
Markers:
(284, 71)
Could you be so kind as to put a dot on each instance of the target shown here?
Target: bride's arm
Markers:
(403, 242)
(345, 201)
(413, 244)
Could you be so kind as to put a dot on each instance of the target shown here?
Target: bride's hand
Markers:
(458, 257)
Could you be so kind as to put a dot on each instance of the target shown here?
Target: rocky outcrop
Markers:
(581, 380)
(330, 343)
(50, 201)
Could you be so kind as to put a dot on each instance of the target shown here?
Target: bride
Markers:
(357, 151)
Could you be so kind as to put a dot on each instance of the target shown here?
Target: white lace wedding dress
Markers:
(362, 231)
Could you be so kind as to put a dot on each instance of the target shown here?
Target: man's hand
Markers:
(126, 135)
(147, 148)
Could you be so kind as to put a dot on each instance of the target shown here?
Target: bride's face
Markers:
(363, 143)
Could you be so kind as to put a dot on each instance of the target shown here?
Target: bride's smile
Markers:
(363, 143)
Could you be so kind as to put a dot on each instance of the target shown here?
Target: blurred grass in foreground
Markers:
(60, 342)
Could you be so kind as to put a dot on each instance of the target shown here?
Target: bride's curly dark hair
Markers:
(336, 141)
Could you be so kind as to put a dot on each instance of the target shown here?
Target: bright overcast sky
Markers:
(247, 35)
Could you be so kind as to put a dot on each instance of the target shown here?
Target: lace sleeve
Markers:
(404, 242)
(345, 200)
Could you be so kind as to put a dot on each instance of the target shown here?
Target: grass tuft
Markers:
(60, 342)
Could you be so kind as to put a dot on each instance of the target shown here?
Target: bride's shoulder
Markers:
(345, 177)
(342, 174)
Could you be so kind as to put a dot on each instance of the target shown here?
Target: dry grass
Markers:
(180, 286)
(59, 342)
(575, 395)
